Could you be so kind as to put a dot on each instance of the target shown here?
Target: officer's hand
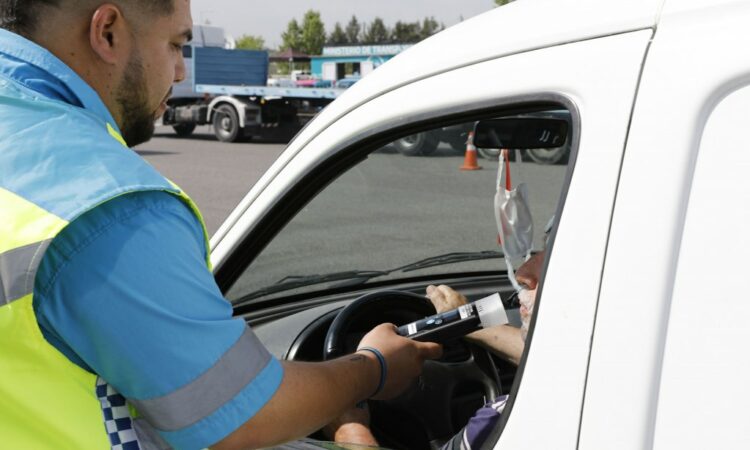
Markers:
(404, 357)
(444, 298)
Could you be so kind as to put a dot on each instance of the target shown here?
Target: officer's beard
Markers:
(132, 96)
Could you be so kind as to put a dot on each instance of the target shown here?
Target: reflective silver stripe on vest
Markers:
(219, 384)
(17, 270)
(148, 437)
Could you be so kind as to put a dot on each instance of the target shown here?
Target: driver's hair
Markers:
(25, 17)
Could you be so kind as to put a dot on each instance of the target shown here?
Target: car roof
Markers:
(500, 32)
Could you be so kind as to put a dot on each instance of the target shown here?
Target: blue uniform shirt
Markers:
(124, 292)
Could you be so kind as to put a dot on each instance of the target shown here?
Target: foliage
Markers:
(250, 42)
(430, 26)
(406, 33)
(376, 33)
(313, 33)
(353, 30)
(502, 2)
(337, 36)
(292, 37)
(311, 36)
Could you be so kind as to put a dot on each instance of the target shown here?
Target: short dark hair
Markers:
(21, 16)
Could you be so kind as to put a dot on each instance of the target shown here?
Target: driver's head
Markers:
(129, 51)
(528, 277)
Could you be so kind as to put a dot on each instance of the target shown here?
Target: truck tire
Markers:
(489, 153)
(457, 143)
(548, 155)
(226, 124)
(494, 153)
(420, 144)
(184, 129)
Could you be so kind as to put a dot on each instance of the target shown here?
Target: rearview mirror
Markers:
(520, 133)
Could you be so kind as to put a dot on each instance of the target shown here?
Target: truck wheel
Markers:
(548, 155)
(420, 144)
(457, 143)
(489, 153)
(494, 153)
(226, 124)
(184, 129)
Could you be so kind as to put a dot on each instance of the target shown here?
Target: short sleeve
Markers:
(124, 292)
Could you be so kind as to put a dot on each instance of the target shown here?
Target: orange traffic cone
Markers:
(470, 159)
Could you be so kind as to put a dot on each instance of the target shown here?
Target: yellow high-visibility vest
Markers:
(57, 162)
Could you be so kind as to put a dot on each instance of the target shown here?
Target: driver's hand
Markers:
(444, 298)
(404, 357)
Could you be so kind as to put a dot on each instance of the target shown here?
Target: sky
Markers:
(269, 18)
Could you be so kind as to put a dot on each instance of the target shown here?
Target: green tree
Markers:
(292, 37)
(313, 33)
(502, 2)
(353, 30)
(430, 26)
(250, 42)
(337, 36)
(376, 33)
(406, 33)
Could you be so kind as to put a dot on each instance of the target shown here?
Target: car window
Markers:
(409, 210)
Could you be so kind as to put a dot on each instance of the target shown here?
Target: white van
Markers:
(639, 334)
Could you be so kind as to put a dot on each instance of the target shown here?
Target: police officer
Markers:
(113, 332)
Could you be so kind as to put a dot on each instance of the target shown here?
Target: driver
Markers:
(506, 341)
(515, 235)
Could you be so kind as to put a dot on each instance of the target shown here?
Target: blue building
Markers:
(338, 62)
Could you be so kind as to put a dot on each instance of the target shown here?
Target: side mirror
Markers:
(520, 133)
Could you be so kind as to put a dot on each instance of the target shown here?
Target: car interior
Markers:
(357, 242)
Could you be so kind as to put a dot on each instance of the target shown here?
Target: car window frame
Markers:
(348, 153)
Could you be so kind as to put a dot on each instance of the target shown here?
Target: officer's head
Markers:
(129, 51)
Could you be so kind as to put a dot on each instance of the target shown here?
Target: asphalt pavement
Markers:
(418, 206)
(217, 175)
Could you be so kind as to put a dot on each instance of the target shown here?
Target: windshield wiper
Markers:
(449, 258)
(356, 277)
(295, 281)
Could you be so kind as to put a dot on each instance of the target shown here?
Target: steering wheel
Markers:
(438, 405)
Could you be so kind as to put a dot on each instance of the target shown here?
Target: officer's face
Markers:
(154, 65)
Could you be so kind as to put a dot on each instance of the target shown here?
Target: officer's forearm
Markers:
(310, 396)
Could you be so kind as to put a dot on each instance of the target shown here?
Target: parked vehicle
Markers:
(226, 88)
(347, 82)
(639, 330)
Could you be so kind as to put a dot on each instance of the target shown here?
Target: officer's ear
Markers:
(109, 34)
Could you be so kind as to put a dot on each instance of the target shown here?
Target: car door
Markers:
(595, 80)
(668, 365)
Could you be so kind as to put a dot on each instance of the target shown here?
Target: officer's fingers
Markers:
(430, 350)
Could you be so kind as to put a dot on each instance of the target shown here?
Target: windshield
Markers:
(406, 211)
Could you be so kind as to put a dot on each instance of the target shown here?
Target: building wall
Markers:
(316, 63)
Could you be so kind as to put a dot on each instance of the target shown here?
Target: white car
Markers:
(639, 332)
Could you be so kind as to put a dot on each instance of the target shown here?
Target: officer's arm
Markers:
(313, 394)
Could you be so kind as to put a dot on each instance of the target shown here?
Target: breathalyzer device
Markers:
(483, 313)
